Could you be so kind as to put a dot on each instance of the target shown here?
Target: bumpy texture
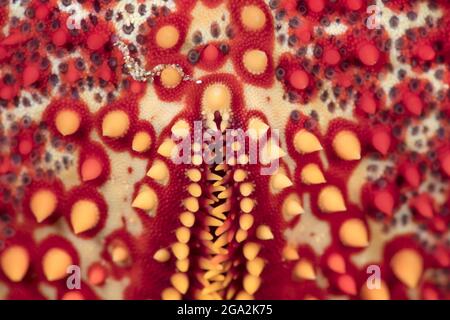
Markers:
(356, 89)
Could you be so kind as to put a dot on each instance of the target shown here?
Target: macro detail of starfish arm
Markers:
(224, 149)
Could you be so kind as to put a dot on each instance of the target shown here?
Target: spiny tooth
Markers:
(205, 235)
(347, 146)
(280, 181)
(381, 293)
(221, 167)
(15, 262)
(353, 233)
(224, 227)
(55, 263)
(251, 250)
(167, 148)
(246, 189)
(257, 128)
(221, 241)
(84, 215)
(43, 203)
(191, 204)
(162, 255)
(145, 200)
(251, 283)
(213, 287)
(304, 270)
(290, 253)
(219, 210)
(180, 281)
(218, 278)
(211, 274)
(206, 264)
(263, 232)
(194, 175)
(180, 250)
(242, 295)
(141, 142)
(213, 222)
(213, 177)
(183, 234)
(67, 121)
(182, 265)
(306, 142)
(180, 129)
(241, 235)
(195, 190)
(336, 263)
(159, 171)
(239, 175)
(246, 221)
(170, 294)
(331, 200)
(292, 206)
(247, 205)
(217, 189)
(256, 266)
(115, 124)
(187, 219)
(407, 265)
(311, 174)
(225, 194)
(120, 254)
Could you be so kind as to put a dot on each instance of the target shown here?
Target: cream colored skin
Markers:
(161, 113)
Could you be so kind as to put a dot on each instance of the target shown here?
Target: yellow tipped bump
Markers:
(246, 189)
(290, 253)
(253, 18)
(170, 294)
(141, 142)
(353, 233)
(183, 234)
(251, 283)
(306, 142)
(239, 175)
(217, 97)
(167, 148)
(145, 200)
(331, 200)
(263, 232)
(311, 174)
(241, 235)
(381, 293)
(120, 254)
(247, 205)
(407, 265)
(180, 250)
(246, 221)
(162, 255)
(292, 206)
(84, 216)
(187, 219)
(194, 175)
(180, 281)
(159, 171)
(256, 266)
(304, 270)
(347, 146)
(255, 61)
(280, 181)
(167, 37)
(67, 122)
(170, 77)
(15, 262)
(43, 203)
(191, 204)
(55, 263)
(195, 190)
(115, 124)
(251, 250)
(182, 265)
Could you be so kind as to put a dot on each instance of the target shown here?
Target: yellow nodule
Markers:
(331, 200)
(43, 203)
(67, 121)
(311, 174)
(306, 142)
(353, 233)
(407, 265)
(255, 61)
(115, 124)
(381, 293)
(216, 97)
(167, 36)
(141, 142)
(55, 263)
(15, 262)
(84, 215)
(145, 200)
(253, 18)
(304, 270)
(347, 146)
